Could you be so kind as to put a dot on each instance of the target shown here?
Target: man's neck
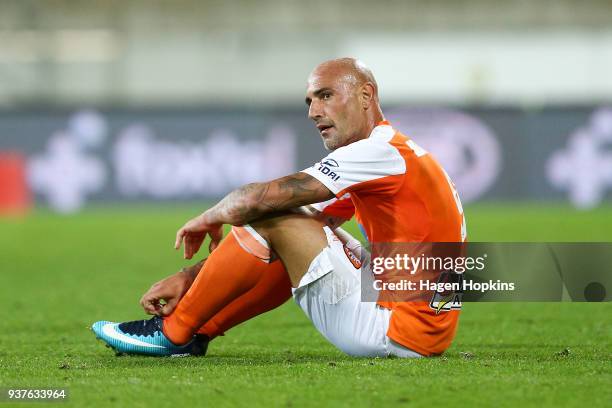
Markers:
(374, 119)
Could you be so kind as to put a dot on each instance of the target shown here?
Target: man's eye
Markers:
(326, 96)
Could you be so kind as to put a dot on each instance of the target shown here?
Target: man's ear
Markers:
(367, 94)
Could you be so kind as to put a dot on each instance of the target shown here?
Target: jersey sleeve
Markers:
(336, 207)
(364, 164)
(333, 212)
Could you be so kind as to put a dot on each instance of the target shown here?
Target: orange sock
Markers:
(272, 290)
(228, 273)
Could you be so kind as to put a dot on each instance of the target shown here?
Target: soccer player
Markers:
(398, 193)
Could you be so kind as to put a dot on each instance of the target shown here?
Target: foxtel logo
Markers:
(323, 168)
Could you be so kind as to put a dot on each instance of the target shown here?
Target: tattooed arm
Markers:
(255, 200)
(249, 203)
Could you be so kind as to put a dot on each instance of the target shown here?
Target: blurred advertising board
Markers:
(73, 158)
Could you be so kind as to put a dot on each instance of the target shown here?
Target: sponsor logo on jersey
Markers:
(330, 163)
(351, 257)
(450, 300)
(325, 168)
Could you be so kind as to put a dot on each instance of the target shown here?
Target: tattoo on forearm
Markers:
(257, 199)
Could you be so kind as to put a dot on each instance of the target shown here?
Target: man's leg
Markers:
(327, 286)
(229, 273)
(326, 280)
(327, 277)
(236, 283)
(296, 239)
(271, 290)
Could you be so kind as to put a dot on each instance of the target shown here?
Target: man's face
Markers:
(333, 103)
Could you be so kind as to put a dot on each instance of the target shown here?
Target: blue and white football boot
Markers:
(146, 337)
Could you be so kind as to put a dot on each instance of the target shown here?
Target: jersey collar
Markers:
(383, 129)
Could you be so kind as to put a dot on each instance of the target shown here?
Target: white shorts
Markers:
(329, 293)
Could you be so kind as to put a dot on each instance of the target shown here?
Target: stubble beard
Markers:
(332, 143)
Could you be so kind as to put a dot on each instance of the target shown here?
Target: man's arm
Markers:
(255, 200)
(249, 203)
(191, 272)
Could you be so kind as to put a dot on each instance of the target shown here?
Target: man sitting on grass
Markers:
(398, 193)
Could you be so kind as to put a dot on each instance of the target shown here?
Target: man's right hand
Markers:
(169, 290)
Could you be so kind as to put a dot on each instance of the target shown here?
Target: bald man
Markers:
(398, 193)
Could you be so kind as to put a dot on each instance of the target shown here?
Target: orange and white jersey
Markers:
(400, 194)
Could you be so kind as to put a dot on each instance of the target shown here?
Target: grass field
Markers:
(59, 274)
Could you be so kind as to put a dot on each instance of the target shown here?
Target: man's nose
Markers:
(314, 111)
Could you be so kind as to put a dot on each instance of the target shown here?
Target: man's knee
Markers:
(296, 239)
(289, 226)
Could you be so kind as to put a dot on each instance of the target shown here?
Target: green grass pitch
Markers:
(61, 273)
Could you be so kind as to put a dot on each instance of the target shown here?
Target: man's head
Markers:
(342, 99)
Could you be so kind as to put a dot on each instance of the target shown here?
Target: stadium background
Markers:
(119, 120)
